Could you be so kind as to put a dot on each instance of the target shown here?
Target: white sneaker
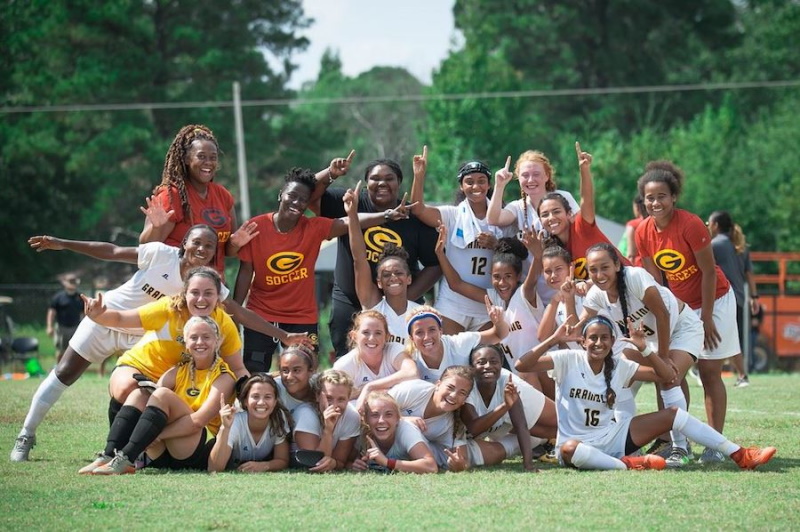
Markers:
(22, 448)
(711, 456)
(742, 382)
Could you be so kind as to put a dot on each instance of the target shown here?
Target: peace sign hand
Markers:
(441, 239)
(504, 175)
(93, 307)
(636, 335)
(566, 332)
(420, 162)
(402, 211)
(340, 166)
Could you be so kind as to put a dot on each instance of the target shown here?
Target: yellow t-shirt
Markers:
(195, 394)
(161, 346)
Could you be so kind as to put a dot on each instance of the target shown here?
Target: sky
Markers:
(414, 34)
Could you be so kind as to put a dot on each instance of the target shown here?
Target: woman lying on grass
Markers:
(255, 439)
(588, 436)
(171, 423)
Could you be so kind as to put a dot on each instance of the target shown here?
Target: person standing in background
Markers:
(65, 313)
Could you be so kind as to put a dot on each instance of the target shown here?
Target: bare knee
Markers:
(70, 367)
(568, 449)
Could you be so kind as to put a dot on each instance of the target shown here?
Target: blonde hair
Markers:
(410, 348)
(334, 377)
(374, 396)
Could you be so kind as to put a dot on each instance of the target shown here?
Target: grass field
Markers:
(47, 494)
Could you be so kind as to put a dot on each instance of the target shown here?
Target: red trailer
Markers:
(779, 291)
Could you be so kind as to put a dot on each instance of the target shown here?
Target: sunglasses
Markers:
(474, 167)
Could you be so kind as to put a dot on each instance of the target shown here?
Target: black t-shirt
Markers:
(415, 237)
(69, 308)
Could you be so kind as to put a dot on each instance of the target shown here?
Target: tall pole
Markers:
(241, 161)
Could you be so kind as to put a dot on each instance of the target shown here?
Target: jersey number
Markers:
(479, 265)
(592, 417)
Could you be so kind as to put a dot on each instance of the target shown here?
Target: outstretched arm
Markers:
(98, 250)
(95, 310)
(157, 223)
(366, 291)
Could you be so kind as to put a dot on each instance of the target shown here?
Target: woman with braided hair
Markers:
(586, 385)
(187, 195)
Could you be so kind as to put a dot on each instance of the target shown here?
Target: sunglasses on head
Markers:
(473, 167)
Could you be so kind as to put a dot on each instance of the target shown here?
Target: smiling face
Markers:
(475, 186)
(659, 200)
(382, 417)
(370, 336)
(202, 296)
(487, 363)
(427, 337)
(597, 340)
(294, 200)
(383, 186)
(533, 179)
(505, 280)
(199, 247)
(394, 277)
(555, 271)
(294, 373)
(602, 270)
(554, 217)
(202, 162)
(451, 393)
(201, 342)
(261, 400)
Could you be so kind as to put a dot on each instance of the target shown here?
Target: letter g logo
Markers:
(669, 260)
(284, 262)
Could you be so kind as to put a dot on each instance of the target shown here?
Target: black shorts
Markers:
(197, 461)
(340, 324)
(259, 348)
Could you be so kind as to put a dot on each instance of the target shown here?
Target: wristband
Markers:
(391, 463)
(646, 352)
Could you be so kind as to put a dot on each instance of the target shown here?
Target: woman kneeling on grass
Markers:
(172, 423)
(588, 437)
(389, 443)
(255, 439)
(330, 425)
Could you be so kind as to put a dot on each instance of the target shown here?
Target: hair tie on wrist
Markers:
(646, 352)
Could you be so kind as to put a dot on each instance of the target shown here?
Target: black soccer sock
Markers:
(114, 407)
(122, 428)
(148, 428)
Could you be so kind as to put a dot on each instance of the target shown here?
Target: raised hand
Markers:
(496, 314)
(510, 393)
(504, 175)
(226, 412)
(533, 241)
(93, 307)
(330, 416)
(41, 243)
(636, 335)
(584, 158)
(350, 199)
(566, 332)
(420, 162)
(441, 239)
(568, 287)
(486, 240)
(340, 166)
(402, 211)
(155, 213)
(242, 236)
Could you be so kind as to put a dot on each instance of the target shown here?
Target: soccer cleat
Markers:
(678, 458)
(648, 461)
(752, 457)
(660, 447)
(119, 465)
(549, 458)
(742, 382)
(100, 460)
(22, 448)
(711, 456)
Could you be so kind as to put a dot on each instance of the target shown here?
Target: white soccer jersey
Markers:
(517, 208)
(306, 419)
(361, 373)
(456, 353)
(244, 448)
(406, 437)
(561, 317)
(159, 275)
(398, 331)
(532, 402)
(581, 396)
(413, 397)
(287, 400)
(523, 320)
(637, 281)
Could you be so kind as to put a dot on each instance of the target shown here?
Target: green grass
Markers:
(46, 493)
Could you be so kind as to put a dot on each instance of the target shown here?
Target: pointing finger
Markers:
(425, 152)
(572, 271)
(350, 157)
(508, 163)
(403, 201)
(578, 149)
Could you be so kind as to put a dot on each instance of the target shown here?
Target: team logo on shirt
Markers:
(214, 217)
(580, 268)
(673, 263)
(286, 267)
(376, 238)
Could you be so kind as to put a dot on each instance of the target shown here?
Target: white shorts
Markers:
(688, 334)
(728, 329)
(96, 343)
(612, 442)
(455, 312)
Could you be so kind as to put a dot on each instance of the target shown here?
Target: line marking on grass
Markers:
(761, 412)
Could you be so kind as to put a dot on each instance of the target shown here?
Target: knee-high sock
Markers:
(45, 397)
(113, 409)
(587, 457)
(674, 397)
(148, 428)
(702, 433)
(121, 429)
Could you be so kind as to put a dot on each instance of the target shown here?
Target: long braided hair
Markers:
(608, 362)
(176, 171)
(622, 288)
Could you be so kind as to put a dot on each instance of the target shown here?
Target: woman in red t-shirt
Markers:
(277, 267)
(577, 234)
(677, 243)
(187, 195)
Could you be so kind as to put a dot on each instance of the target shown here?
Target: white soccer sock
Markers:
(674, 397)
(45, 397)
(702, 433)
(587, 457)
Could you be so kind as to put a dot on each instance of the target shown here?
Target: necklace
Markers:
(194, 391)
(278, 229)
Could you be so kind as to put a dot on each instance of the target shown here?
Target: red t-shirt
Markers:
(283, 288)
(582, 236)
(213, 210)
(672, 250)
